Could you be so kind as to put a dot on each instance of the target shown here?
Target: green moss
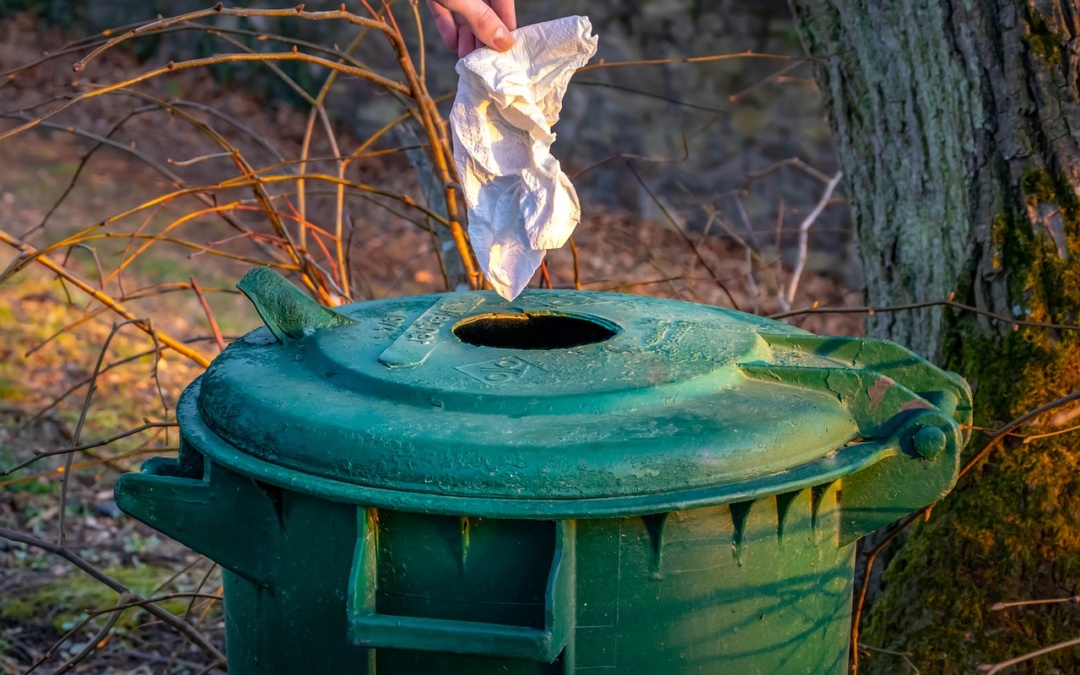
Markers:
(1044, 42)
(1011, 530)
(1011, 237)
(1042, 283)
(61, 602)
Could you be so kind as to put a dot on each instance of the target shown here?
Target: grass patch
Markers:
(61, 602)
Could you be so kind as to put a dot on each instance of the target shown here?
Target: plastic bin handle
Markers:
(372, 630)
(287, 312)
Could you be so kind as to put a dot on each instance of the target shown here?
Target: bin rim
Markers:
(657, 397)
(844, 461)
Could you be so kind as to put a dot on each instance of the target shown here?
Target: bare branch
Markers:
(990, 669)
(41, 454)
(804, 235)
(100, 296)
(998, 606)
(691, 59)
(183, 627)
(209, 314)
(689, 242)
(921, 305)
(923, 513)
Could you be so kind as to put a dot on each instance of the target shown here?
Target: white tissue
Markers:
(519, 200)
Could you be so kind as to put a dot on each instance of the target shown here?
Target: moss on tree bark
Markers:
(958, 127)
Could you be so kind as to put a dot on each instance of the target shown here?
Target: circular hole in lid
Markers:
(533, 331)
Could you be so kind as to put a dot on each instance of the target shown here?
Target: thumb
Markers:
(482, 20)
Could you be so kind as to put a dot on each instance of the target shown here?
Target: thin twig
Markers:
(691, 59)
(142, 602)
(793, 161)
(776, 76)
(641, 158)
(751, 247)
(903, 655)
(804, 235)
(41, 454)
(220, 9)
(184, 628)
(577, 269)
(109, 461)
(145, 292)
(924, 513)
(318, 109)
(990, 669)
(200, 63)
(1001, 434)
(48, 654)
(1034, 437)
(920, 305)
(689, 242)
(199, 159)
(100, 296)
(860, 602)
(998, 606)
(150, 161)
(209, 314)
(87, 400)
(650, 94)
(95, 642)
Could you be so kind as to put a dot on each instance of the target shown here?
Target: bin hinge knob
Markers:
(929, 442)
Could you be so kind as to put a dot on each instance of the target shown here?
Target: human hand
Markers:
(467, 25)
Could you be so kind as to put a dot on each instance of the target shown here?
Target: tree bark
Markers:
(957, 123)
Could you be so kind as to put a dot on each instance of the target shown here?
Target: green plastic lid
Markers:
(549, 402)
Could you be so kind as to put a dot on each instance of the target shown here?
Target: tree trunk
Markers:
(958, 128)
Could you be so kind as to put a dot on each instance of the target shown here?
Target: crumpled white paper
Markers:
(519, 200)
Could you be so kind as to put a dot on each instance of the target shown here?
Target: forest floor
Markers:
(48, 349)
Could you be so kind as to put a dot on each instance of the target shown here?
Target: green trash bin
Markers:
(571, 482)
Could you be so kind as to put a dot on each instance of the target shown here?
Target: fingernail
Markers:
(502, 40)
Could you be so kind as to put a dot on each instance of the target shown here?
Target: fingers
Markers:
(444, 23)
(466, 42)
(483, 22)
(505, 10)
(466, 25)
